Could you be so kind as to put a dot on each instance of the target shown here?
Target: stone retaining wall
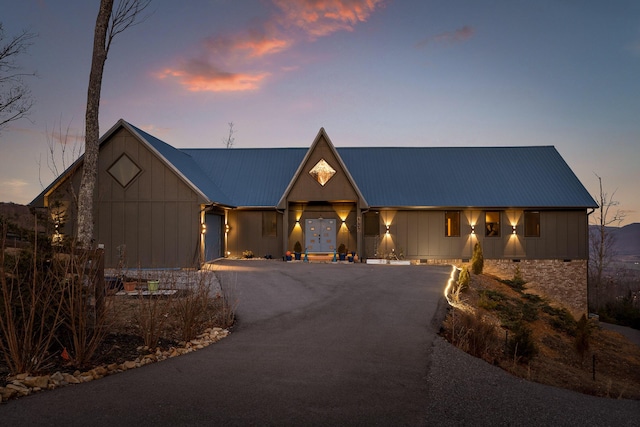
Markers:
(557, 280)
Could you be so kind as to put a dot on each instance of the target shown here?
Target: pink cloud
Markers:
(251, 49)
(319, 18)
(199, 76)
(449, 37)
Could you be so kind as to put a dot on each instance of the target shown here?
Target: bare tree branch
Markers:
(127, 13)
(601, 241)
(230, 139)
(15, 100)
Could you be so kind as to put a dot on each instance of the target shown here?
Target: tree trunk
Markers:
(92, 132)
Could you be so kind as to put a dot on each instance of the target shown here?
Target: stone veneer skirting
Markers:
(564, 282)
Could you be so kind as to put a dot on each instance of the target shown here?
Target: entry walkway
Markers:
(322, 344)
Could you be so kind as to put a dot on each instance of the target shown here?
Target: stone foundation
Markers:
(562, 281)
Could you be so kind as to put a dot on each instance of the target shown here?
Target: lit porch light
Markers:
(388, 231)
(473, 229)
(513, 229)
(227, 228)
(203, 228)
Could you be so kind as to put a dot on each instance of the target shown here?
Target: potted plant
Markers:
(342, 252)
(153, 285)
(297, 250)
(130, 285)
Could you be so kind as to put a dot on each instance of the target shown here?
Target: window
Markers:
(532, 224)
(372, 224)
(452, 224)
(322, 172)
(269, 224)
(492, 223)
(124, 170)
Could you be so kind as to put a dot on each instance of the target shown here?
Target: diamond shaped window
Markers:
(322, 172)
(124, 170)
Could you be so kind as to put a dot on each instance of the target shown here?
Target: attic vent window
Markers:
(322, 172)
(124, 170)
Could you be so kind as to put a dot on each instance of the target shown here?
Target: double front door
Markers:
(320, 235)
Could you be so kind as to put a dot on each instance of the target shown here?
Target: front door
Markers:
(213, 237)
(320, 235)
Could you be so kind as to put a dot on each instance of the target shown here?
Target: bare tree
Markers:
(230, 139)
(15, 96)
(601, 240)
(110, 23)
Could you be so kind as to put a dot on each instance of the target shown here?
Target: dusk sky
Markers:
(371, 72)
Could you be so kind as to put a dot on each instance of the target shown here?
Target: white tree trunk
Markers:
(92, 133)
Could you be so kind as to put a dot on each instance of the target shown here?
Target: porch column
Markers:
(285, 229)
(359, 233)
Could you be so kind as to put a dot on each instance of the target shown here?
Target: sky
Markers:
(371, 72)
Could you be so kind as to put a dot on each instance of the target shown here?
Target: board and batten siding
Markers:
(245, 233)
(420, 234)
(156, 217)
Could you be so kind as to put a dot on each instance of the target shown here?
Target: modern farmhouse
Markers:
(160, 206)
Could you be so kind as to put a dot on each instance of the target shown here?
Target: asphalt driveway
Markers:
(322, 344)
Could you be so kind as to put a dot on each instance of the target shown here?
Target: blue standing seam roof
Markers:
(528, 177)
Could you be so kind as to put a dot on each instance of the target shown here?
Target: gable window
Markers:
(124, 170)
(269, 224)
(322, 172)
(452, 224)
(492, 223)
(532, 224)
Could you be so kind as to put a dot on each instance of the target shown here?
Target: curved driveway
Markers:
(322, 344)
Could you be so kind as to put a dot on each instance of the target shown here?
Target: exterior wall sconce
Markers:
(513, 229)
(227, 228)
(203, 228)
(388, 231)
(473, 229)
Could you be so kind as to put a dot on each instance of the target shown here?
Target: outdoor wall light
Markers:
(473, 229)
(513, 228)
(203, 228)
(227, 228)
(388, 231)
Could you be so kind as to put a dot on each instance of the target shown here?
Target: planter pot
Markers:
(298, 255)
(342, 257)
(130, 286)
(152, 285)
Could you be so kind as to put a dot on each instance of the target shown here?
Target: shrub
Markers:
(473, 334)
(477, 260)
(583, 333)
(560, 319)
(461, 285)
(517, 282)
(521, 344)
(297, 247)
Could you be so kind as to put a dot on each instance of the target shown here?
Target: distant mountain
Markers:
(626, 239)
(19, 215)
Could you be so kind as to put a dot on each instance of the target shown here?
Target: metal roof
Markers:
(251, 177)
(464, 177)
(402, 176)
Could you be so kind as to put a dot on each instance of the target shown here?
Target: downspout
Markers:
(588, 256)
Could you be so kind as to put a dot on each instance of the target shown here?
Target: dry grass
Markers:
(491, 308)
